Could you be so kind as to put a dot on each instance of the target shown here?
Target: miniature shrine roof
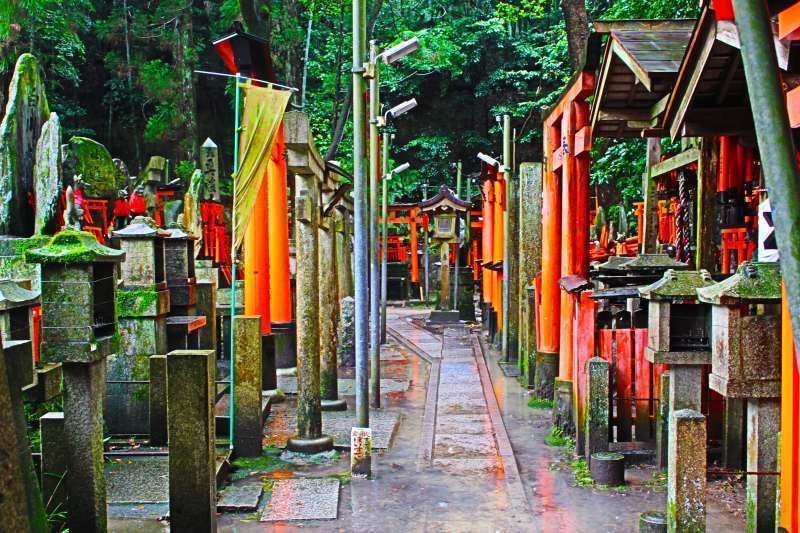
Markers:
(752, 283)
(12, 296)
(140, 228)
(445, 199)
(73, 246)
(677, 284)
(637, 73)
(651, 262)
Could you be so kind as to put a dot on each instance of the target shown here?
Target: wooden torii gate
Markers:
(410, 214)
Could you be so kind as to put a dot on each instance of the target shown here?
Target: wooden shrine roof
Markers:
(640, 63)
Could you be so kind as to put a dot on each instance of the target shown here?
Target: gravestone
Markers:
(209, 161)
(25, 114)
(47, 177)
(89, 159)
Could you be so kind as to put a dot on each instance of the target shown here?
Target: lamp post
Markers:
(458, 239)
(385, 232)
(389, 56)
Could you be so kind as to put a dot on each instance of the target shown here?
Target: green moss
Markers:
(537, 403)
(270, 461)
(583, 478)
(70, 247)
(752, 518)
(328, 384)
(92, 161)
(135, 302)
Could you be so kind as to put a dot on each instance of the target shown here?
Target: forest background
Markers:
(122, 72)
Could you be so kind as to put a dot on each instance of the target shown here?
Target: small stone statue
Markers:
(73, 213)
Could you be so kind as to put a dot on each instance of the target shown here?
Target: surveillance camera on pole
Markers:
(402, 108)
(489, 160)
(399, 51)
(397, 170)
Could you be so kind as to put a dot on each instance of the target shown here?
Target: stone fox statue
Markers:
(73, 212)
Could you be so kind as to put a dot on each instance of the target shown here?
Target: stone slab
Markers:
(240, 497)
(346, 387)
(303, 499)
(282, 425)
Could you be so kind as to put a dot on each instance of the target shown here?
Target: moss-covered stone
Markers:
(753, 283)
(26, 111)
(47, 177)
(91, 160)
(136, 302)
(71, 246)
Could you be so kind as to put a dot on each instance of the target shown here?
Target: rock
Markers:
(47, 177)
(347, 332)
(26, 112)
(83, 156)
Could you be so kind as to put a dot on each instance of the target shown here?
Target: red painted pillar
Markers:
(497, 244)
(568, 211)
(413, 243)
(551, 246)
(486, 242)
(256, 260)
(280, 294)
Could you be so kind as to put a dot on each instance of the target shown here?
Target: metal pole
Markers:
(507, 170)
(384, 232)
(361, 228)
(374, 266)
(458, 238)
(768, 104)
(233, 252)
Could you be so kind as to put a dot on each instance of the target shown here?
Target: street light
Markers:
(385, 234)
(489, 160)
(371, 72)
(399, 51)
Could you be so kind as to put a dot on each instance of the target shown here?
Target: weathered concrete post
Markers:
(328, 302)
(763, 427)
(247, 429)
(444, 276)
(347, 330)
(511, 281)
(597, 385)
(79, 326)
(344, 246)
(158, 400)
(207, 277)
(530, 264)
(54, 462)
(192, 463)
(305, 163)
(662, 424)
(686, 476)
(21, 505)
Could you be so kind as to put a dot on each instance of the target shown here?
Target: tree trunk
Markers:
(577, 22)
(184, 65)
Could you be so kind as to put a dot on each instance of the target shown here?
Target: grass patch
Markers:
(581, 471)
(658, 481)
(558, 439)
(537, 403)
(268, 462)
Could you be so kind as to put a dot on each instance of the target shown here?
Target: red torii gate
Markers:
(410, 214)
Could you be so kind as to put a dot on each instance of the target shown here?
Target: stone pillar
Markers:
(733, 434)
(511, 281)
(84, 393)
(247, 427)
(545, 374)
(309, 437)
(21, 505)
(158, 400)
(206, 290)
(530, 260)
(763, 426)
(361, 452)
(328, 314)
(444, 277)
(686, 475)
(685, 387)
(54, 463)
(562, 405)
(343, 251)
(347, 331)
(662, 423)
(597, 374)
(192, 464)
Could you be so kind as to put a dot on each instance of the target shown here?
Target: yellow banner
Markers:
(263, 112)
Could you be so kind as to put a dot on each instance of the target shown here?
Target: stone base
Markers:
(562, 406)
(334, 405)
(444, 317)
(653, 522)
(361, 452)
(545, 374)
(310, 446)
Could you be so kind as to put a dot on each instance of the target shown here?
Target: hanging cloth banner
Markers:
(263, 113)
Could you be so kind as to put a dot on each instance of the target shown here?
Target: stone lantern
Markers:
(746, 364)
(678, 333)
(16, 319)
(79, 330)
(446, 209)
(183, 324)
(143, 302)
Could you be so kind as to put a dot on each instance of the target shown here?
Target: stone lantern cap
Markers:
(615, 263)
(12, 296)
(752, 283)
(653, 262)
(140, 228)
(73, 246)
(177, 233)
(444, 201)
(677, 285)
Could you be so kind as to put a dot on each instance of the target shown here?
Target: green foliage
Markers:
(558, 439)
(33, 412)
(269, 461)
(184, 170)
(583, 478)
(537, 403)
